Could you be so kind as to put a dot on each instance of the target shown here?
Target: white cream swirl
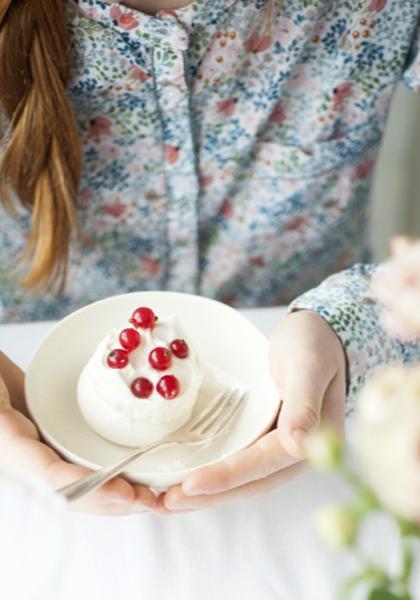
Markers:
(108, 404)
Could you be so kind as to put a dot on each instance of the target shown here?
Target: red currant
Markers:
(160, 358)
(180, 348)
(168, 387)
(117, 359)
(130, 339)
(142, 387)
(143, 317)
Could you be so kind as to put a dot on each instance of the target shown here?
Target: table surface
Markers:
(258, 548)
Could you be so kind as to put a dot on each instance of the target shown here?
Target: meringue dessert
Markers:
(142, 381)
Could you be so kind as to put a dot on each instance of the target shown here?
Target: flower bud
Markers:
(387, 438)
(324, 449)
(336, 526)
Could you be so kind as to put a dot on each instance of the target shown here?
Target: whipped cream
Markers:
(108, 404)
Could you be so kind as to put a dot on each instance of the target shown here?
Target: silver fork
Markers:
(209, 424)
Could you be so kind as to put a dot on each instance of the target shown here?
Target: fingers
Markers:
(20, 446)
(333, 407)
(264, 457)
(176, 499)
(305, 356)
(302, 393)
(13, 424)
(117, 491)
(144, 496)
(61, 473)
(144, 501)
(32, 456)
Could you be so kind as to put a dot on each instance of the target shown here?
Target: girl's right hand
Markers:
(20, 445)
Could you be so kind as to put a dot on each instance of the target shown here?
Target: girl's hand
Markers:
(20, 445)
(307, 363)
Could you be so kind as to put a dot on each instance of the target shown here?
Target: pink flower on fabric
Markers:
(377, 5)
(85, 195)
(226, 209)
(115, 13)
(126, 20)
(342, 91)
(87, 240)
(151, 265)
(364, 168)
(138, 74)
(114, 209)
(171, 153)
(205, 180)
(257, 43)
(227, 107)
(278, 114)
(257, 261)
(100, 126)
(295, 223)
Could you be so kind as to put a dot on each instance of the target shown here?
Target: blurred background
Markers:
(395, 205)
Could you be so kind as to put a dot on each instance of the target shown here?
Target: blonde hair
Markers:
(41, 161)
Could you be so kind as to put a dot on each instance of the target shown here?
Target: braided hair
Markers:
(40, 162)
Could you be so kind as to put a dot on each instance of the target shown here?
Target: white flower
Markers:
(387, 438)
(323, 449)
(336, 526)
(397, 285)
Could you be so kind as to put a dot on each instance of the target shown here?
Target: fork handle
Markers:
(91, 482)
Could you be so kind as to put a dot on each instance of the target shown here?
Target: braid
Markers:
(41, 159)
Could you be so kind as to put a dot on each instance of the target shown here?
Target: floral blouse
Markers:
(228, 152)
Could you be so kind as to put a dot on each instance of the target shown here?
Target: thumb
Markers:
(300, 414)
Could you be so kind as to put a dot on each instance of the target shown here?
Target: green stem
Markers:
(407, 564)
(368, 500)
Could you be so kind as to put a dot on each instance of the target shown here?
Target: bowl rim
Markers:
(68, 454)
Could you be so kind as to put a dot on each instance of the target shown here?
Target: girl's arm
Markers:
(347, 303)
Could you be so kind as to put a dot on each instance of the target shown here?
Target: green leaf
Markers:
(350, 585)
(383, 594)
(407, 528)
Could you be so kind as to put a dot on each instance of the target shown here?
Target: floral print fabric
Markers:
(228, 151)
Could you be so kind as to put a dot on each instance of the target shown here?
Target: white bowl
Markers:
(219, 333)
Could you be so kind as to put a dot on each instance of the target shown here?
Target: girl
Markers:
(213, 147)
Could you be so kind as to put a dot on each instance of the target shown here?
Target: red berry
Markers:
(130, 339)
(142, 387)
(160, 358)
(180, 348)
(143, 317)
(117, 359)
(168, 387)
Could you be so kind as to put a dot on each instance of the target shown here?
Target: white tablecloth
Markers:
(257, 549)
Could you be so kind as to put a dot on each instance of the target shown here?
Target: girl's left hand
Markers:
(307, 362)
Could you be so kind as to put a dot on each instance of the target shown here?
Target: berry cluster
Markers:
(160, 358)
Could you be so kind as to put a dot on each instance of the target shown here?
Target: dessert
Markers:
(141, 382)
